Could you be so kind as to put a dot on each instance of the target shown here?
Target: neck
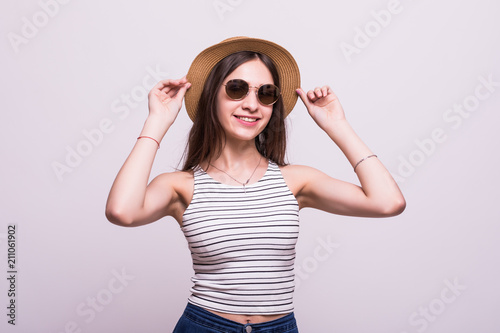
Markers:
(237, 156)
(238, 164)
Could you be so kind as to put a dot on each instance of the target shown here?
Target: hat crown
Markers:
(233, 38)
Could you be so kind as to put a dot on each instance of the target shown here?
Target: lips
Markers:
(247, 119)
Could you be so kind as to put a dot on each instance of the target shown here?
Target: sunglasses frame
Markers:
(257, 89)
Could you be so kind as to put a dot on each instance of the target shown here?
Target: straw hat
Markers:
(203, 64)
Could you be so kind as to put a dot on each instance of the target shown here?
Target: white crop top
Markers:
(242, 244)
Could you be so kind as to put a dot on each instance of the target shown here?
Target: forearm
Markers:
(348, 141)
(127, 195)
(376, 182)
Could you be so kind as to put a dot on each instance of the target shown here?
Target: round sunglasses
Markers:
(237, 89)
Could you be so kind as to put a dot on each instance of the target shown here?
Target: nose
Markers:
(251, 102)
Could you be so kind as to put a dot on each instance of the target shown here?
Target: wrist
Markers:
(156, 127)
(337, 128)
(348, 141)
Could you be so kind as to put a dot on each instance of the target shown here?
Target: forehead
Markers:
(253, 71)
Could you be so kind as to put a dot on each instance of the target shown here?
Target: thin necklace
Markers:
(245, 183)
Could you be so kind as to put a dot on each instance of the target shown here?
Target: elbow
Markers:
(394, 208)
(399, 207)
(118, 217)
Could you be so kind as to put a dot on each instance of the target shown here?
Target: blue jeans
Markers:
(198, 320)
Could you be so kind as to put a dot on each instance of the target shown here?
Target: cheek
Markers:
(219, 104)
(222, 102)
(220, 95)
(269, 113)
(269, 119)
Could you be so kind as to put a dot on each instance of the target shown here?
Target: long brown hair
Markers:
(207, 138)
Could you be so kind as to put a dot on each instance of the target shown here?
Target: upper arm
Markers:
(166, 195)
(315, 189)
(169, 194)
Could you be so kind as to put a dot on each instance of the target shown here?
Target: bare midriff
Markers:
(248, 319)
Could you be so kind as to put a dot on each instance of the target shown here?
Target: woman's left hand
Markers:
(323, 106)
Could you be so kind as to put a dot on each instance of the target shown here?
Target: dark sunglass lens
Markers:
(236, 89)
(268, 94)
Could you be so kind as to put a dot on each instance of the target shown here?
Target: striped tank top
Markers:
(242, 244)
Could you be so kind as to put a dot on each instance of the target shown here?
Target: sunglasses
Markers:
(237, 89)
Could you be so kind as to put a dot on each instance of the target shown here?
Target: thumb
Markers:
(303, 96)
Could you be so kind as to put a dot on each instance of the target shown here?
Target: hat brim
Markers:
(203, 64)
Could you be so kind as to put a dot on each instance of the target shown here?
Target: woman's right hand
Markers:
(165, 99)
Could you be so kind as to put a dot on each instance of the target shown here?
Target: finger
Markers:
(311, 94)
(332, 94)
(317, 92)
(162, 96)
(170, 87)
(177, 83)
(324, 90)
(182, 91)
(304, 97)
(160, 89)
(162, 84)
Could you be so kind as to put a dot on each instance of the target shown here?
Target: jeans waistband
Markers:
(200, 315)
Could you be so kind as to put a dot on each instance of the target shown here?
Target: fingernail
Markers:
(297, 91)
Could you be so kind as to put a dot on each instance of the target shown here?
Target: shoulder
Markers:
(298, 171)
(296, 168)
(175, 177)
(180, 181)
(179, 186)
(298, 176)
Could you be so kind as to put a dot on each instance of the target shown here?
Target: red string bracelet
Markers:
(148, 137)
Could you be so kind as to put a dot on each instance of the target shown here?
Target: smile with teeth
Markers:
(251, 120)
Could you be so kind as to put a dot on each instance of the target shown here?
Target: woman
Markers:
(236, 199)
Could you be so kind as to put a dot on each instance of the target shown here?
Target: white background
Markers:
(68, 68)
